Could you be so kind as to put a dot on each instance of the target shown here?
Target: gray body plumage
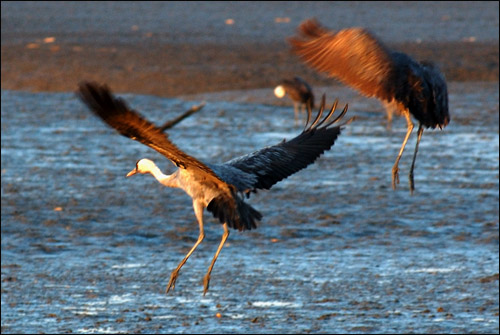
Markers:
(241, 180)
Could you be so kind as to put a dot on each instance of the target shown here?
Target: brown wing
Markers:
(227, 206)
(354, 56)
(116, 113)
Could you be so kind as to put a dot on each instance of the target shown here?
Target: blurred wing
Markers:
(275, 163)
(116, 113)
(353, 56)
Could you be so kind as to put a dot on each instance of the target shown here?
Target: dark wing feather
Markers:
(116, 113)
(439, 92)
(275, 163)
(227, 206)
(421, 88)
(354, 56)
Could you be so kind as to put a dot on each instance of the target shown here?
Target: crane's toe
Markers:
(412, 183)
(206, 282)
(173, 278)
(395, 176)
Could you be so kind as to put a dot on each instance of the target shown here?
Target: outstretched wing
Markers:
(275, 163)
(226, 206)
(116, 113)
(354, 56)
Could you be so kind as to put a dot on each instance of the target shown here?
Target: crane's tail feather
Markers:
(239, 215)
(248, 215)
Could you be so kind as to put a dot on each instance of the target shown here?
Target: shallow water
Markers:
(86, 250)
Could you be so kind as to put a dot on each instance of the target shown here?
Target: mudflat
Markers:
(171, 49)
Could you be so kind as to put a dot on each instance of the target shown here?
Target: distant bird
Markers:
(299, 91)
(218, 187)
(357, 58)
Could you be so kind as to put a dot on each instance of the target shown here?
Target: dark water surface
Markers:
(86, 250)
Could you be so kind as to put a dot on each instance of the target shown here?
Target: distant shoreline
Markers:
(178, 69)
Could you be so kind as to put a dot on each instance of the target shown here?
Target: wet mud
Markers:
(85, 249)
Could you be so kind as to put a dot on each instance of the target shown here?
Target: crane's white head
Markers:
(279, 91)
(142, 166)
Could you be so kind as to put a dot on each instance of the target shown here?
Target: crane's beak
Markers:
(131, 173)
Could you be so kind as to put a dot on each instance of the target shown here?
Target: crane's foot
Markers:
(412, 183)
(395, 176)
(206, 282)
(173, 278)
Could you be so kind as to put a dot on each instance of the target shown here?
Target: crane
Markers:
(357, 58)
(299, 91)
(220, 188)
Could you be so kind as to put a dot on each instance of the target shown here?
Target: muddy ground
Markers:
(86, 250)
(170, 49)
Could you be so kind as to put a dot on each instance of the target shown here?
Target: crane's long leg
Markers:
(389, 110)
(198, 211)
(395, 168)
(412, 184)
(206, 279)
